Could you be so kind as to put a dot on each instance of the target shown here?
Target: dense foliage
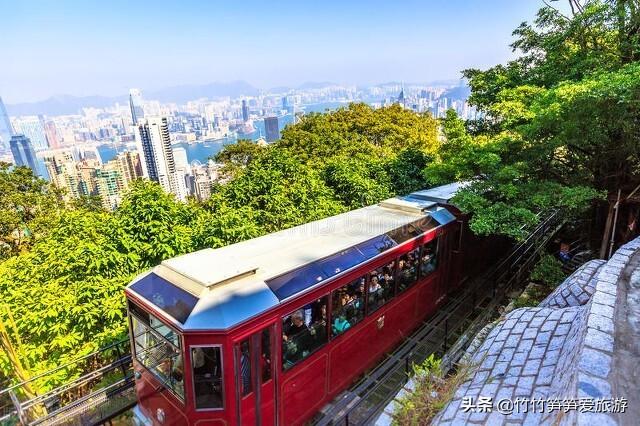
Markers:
(65, 267)
(559, 124)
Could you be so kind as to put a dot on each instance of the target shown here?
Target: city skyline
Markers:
(87, 50)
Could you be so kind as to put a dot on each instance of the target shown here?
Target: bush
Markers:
(433, 390)
(548, 271)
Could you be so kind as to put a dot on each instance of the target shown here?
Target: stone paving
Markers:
(562, 350)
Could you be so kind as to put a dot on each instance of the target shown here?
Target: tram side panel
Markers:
(306, 389)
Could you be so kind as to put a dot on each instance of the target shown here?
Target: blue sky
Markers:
(105, 47)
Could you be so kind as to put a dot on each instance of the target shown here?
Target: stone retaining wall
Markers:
(562, 349)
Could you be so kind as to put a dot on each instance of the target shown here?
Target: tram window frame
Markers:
(220, 376)
(168, 380)
(311, 333)
(335, 294)
(390, 290)
(436, 246)
(417, 251)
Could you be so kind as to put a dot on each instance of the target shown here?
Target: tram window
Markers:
(166, 296)
(207, 376)
(347, 306)
(158, 348)
(429, 261)
(303, 332)
(408, 269)
(265, 358)
(245, 368)
(381, 286)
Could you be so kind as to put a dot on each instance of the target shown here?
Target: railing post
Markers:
(446, 333)
(124, 371)
(16, 403)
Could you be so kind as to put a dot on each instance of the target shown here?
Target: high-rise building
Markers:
(245, 111)
(203, 177)
(51, 133)
(109, 186)
(6, 131)
(129, 166)
(23, 153)
(65, 173)
(158, 163)
(31, 127)
(401, 98)
(180, 157)
(271, 128)
(135, 104)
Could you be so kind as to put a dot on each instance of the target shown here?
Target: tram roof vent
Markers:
(231, 274)
(407, 204)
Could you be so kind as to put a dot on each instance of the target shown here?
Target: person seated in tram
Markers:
(318, 328)
(296, 338)
(407, 268)
(375, 291)
(340, 324)
(428, 261)
(388, 276)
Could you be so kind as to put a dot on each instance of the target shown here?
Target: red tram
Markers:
(269, 330)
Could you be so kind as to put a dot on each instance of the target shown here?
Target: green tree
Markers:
(155, 225)
(27, 205)
(235, 157)
(280, 191)
(358, 182)
(359, 130)
(559, 125)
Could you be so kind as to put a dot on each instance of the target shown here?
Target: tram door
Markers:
(255, 383)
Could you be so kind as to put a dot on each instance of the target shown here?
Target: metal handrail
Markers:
(61, 367)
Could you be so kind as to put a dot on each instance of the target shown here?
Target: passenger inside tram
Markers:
(428, 264)
(300, 339)
(205, 362)
(348, 306)
(408, 269)
(381, 286)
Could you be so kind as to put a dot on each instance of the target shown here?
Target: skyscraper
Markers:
(245, 111)
(51, 133)
(6, 131)
(135, 103)
(31, 127)
(23, 153)
(158, 163)
(401, 99)
(271, 128)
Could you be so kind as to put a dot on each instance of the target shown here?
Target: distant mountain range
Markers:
(67, 104)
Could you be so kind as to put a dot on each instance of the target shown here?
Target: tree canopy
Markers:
(559, 124)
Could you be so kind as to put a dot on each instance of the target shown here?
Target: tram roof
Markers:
(215, 289)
